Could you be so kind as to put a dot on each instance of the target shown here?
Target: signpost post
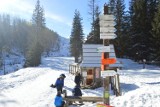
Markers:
(106, 55)
(106, 32)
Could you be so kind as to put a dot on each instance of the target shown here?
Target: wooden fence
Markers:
(73, 68)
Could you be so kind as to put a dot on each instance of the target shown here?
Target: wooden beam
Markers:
(84, 99)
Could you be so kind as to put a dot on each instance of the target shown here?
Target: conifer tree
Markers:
(141, 12)
(138, 23)
(155, 40)
(34, 53)
(118, 10)
(94, 36)
(76, 37)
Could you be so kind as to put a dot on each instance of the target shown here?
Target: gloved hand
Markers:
(53, 86)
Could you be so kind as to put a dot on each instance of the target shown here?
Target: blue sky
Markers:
(58, 13)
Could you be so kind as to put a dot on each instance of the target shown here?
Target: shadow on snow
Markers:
(128, 87)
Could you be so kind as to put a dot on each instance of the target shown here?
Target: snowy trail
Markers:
(28, 90)
(29, 87)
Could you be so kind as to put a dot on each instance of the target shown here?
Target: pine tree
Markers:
(152, 9)
(96, 25)
(34, 53)
(94, 36)
(138, 23)
(118, 11)
(33, 58)
(38, 18)
(76, 37)
(112, 4)
(141, 12)
(155, 46)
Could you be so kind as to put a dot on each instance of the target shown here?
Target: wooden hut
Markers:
(91, 64)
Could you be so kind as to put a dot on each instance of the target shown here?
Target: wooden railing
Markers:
(73, 68)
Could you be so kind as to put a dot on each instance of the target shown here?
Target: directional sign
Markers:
(106, 17)
(107, 36)
(108, 73)
(103, 49)
(107, 29)
(107, 23)
(108, 61)
(108, 33)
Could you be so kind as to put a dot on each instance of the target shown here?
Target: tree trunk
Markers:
(76, 59)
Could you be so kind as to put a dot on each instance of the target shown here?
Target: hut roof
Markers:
(92, 58)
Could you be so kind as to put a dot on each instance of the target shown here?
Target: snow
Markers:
(29, 87)
(63, 49)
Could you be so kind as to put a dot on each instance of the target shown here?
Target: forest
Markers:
(137, 29)
(30, 39)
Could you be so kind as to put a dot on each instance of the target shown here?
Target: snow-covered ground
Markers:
(29, 87)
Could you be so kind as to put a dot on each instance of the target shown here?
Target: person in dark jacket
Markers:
(77, 79)
(60, 83)
(77, 91)
(58, 102)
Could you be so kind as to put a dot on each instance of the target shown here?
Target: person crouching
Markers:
(60, 83)
(58, 102)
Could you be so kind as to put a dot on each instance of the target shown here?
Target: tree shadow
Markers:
(153, 83)
(67, 88)
(128, 87)
(4, 101)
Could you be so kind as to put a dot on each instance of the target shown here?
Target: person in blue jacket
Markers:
(60, 83)
(58, 102)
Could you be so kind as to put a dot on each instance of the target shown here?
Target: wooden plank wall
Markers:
(92, 58)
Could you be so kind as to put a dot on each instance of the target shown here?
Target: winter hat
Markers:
(62, 75)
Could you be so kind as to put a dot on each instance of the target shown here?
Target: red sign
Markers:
(108, 61)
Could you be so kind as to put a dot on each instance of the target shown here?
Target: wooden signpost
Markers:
(109, 30)
(108, 73)
(107, 17)
(106, 32)
(107, 36)
(108, 61)
(107, 24)
(103, 49)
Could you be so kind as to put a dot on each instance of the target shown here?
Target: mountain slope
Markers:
(63, 48)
